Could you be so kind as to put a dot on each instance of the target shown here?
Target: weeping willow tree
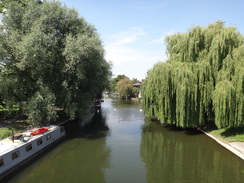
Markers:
(228, 96)
(202, 81)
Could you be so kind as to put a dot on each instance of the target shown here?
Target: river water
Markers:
(121, 146)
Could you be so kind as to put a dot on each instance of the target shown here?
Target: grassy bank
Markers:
(7, 131)
(229, 134)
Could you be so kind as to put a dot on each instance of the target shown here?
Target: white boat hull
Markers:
(15, 154)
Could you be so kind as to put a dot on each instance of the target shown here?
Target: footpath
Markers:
(235, 147)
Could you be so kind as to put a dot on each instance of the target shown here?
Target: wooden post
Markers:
(13, 135)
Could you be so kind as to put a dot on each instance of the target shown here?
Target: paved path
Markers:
(238, 145)
(235, 147)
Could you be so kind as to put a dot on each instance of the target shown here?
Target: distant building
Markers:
(137, 85)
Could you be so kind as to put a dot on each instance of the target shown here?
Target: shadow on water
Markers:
(187, 131)
(96, 128)
(173, 128)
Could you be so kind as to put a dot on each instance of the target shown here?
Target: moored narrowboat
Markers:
(15, 152)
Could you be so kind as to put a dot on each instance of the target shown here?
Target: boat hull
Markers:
(11, 169)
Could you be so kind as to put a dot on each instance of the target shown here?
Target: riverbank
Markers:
(235, 147)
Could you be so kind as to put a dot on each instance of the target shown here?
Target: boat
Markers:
(21, 148)
(97, 104)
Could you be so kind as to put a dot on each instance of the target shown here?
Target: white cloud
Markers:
(121, 48)
(120, 54)
(133, 53)
(161, 40)
(157, 41)
(126, 37)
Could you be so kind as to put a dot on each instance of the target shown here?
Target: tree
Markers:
(124, 88)
(50, 58)
(201, 81)
(23, 3)
(114, 81)
(136, 91)
(134, 81)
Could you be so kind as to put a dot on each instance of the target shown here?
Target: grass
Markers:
(7, 132)
(4, 133)
(229, 134)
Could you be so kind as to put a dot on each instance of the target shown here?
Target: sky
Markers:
(133, 31)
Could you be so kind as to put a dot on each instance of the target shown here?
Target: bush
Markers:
(4, 133)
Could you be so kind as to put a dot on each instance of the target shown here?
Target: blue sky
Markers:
(133, 31)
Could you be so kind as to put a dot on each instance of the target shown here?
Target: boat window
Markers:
(28, 148)
(48, 136)
(39, 142)
(1, 162)
(15, 155)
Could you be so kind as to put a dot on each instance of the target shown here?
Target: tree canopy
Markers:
(23, 3)
(202, 80)
(124, 87)
(50, 59)
(114, 81)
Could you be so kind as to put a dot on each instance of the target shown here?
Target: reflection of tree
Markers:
(92, 155)
(97, 128)
(83, 157)
(176, 157)
(125, 103)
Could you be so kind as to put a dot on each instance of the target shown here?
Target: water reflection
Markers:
(172, 156)
(125, 124)
(120, 146)
(96, 129)
(81, 158)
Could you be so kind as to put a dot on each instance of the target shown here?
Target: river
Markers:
(121, 146)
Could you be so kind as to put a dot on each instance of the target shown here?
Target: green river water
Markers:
(121, 146)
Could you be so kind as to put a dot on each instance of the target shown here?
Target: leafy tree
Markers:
(125, 88)
(23, 3)
(201, 81)
(135, 91)
(114, 81)
(134, 81)
(50, 58)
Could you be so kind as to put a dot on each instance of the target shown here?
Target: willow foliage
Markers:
(157, 92)
(202, 81)
(228, 96)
